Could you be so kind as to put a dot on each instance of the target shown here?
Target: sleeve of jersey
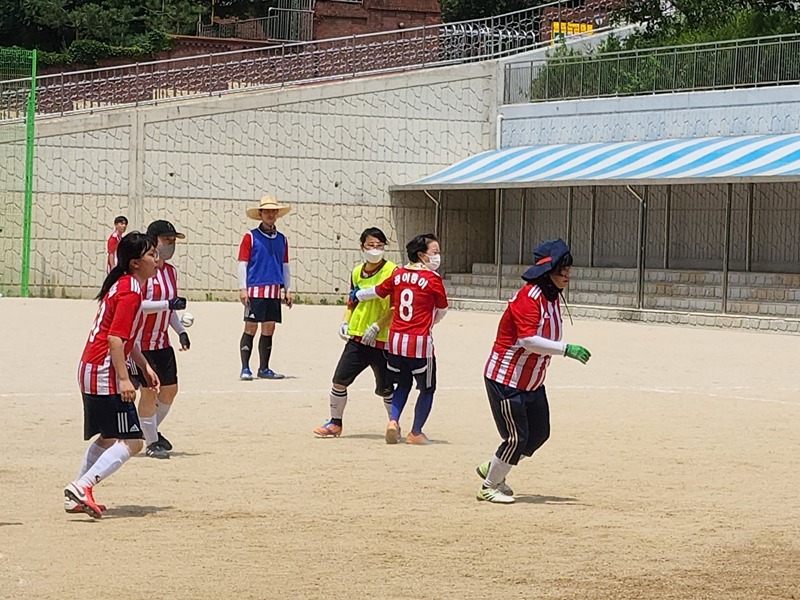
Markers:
(527, 314)
(385, 288)
(125, 314)
(111, 245)
(286, 252)
(441, 295)
(245, 248)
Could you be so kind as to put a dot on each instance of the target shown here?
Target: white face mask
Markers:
(435, 261)
(373, 255)
(166, 251)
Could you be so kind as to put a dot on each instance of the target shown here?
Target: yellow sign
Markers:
(567, 28)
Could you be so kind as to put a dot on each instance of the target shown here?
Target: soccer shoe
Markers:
(330, 429)
(417, 439)
(392, 432)
(483, 471)
(269, 374)
(155, 450)
(73, 508)
(494, 495)
(246, 375)
(83, 497)
(164, 442)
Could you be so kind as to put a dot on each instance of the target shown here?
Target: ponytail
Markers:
(113, 277)
(131, 247)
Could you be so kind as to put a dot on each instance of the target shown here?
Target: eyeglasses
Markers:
(374, 246)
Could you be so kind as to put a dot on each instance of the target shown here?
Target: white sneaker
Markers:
(483, 471)
(494, 495)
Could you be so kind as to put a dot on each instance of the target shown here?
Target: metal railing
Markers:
(291, 24)
(730, 64)
(294, 63)
(247, 29)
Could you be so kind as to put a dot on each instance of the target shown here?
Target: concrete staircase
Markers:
(612, 293)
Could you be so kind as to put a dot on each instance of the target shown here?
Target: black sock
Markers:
(246, 349)
(337, 422)
(264, 351)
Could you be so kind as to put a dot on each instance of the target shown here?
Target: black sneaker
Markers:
(164, 442)
(156, 451)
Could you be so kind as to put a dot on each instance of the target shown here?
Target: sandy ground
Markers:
(671, 472)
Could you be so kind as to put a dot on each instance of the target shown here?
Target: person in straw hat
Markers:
(264, 280)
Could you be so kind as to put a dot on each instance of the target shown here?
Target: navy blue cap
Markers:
(546, 256)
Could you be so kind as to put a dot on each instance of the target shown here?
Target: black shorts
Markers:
(263, 310)
(403, 371)
(164, 364)
(110, 417)
(355, 358)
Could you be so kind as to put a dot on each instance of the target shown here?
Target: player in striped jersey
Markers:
(264, 278)
(365, 331)
(105, 382)
(529, 334)
(120, 225)
(420, 301)
(161, 300)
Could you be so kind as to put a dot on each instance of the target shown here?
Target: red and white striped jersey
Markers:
(416, 292)
(528, 313)
(162, 286)
(266, 255)
(120, 315)
(111, 248)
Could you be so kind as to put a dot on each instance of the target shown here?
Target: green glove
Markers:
(579, 353)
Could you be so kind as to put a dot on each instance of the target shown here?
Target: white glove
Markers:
(370, 335)
(344, 331)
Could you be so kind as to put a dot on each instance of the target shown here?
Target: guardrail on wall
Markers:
(293, 63)
(717, 65)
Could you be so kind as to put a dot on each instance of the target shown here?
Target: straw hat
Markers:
(268, 202)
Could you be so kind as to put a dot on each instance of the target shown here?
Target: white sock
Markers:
(108, 464)
(161, 412)
(93, 452)
(387, 404)
(497, 472)
(338, 402)
(149, 429)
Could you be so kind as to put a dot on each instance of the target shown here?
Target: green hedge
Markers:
(91, 52)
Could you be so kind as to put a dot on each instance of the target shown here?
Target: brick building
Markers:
(337, 18)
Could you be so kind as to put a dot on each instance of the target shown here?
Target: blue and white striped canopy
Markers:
(699, 160)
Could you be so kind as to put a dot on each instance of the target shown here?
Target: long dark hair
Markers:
(131, 247)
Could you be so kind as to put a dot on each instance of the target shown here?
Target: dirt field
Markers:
(671, 472)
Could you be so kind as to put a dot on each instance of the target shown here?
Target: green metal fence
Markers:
(16, 169)
(757, 62)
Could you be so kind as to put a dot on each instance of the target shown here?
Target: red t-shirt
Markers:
(162, 286)
(119, 314)
(415, 292)
(528, 313)
(111, 248)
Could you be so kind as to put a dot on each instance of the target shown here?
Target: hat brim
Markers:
(537, 271)
(255, 213)
(174, 234)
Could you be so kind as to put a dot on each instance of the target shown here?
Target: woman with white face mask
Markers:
(365, 329)
(161, 301)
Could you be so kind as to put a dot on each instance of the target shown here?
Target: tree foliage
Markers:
(464, 10)
(695, 21)
(55, 24)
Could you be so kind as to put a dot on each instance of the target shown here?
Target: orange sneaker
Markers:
(84, 498)
(417, 439)
(330, 429)
(392, 432)
(73, 508)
